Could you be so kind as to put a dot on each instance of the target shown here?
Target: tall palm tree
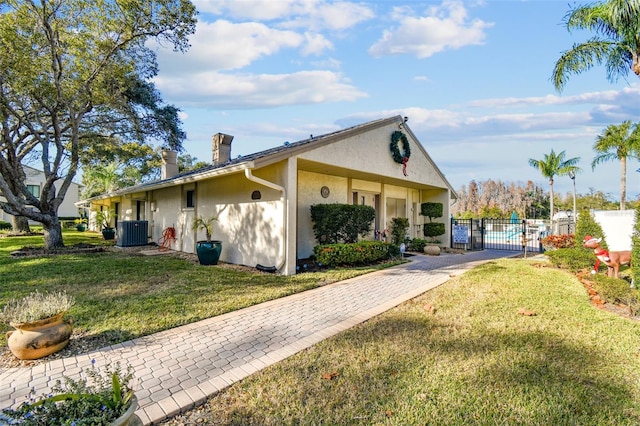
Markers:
(616, 24)
(555, 165)
(618, 142)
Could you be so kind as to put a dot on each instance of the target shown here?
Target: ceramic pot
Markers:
(209, 252)
(33, 340)
(129, 418)
(81, 227)
(432, 250)
(109, 233)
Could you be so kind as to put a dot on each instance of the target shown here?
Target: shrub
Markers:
(98, 399)
(573, 259)
(432, 210)
(587, 225)
(399, 227)
(617, 291)
(553, 242)
(5, 226)
(36, 306)
(360, 253)
(341, 223)
(433, 229)
(417, 244)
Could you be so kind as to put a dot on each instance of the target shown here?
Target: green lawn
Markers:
(472, 360)
(121, 297)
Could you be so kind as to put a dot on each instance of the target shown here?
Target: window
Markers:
(190, 199)
(34, 190)
(140, 210)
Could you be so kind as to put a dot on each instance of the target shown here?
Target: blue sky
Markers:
(472, 76)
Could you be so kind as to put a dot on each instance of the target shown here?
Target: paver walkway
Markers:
(179, 368)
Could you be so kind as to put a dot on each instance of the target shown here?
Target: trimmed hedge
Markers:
(5, 226)
(617, 291)
(341, 223)
(360, 253)
(433, 229)
(573, 259)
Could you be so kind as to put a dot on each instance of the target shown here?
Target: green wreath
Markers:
(400, 157)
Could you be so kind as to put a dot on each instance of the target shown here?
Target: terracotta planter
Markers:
(129, 418)
(432, 250)
(33, 340)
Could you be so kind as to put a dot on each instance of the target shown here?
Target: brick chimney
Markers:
(169, 164)
(221, 146)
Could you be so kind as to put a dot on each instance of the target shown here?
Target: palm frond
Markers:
(581, 57)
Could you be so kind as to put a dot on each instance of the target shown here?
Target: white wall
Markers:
(252, 231)
(369, 152)
(167, 212)
(309, 185)
(617, 226)
(66, 209)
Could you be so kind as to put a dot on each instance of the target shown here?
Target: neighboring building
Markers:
(263, 200)
(35, 180)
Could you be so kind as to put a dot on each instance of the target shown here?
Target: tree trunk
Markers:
(623, 183)
(20, 224)
(551, 201)
(52, 234)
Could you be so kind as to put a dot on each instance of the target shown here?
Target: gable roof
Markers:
(266, 157)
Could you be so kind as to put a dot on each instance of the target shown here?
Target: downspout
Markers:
(283, 198)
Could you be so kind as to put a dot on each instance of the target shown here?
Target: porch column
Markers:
(291, 206)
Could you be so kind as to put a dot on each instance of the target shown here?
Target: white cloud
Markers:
(222, 91)
(223, 45)
(444, 27)
(247, 9)
(315, 44)
(627, 96)
(332, 16)
(313, 15)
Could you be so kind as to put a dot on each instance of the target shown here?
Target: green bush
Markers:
(5, 226)
(360, 253)
(433, 229)
(341, 223)
(573, 259)
(417, 244)
(432, 210)
(587, 225)
(399, 227)
(613, 290)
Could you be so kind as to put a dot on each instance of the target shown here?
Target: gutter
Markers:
(283, 253)
(170, 182)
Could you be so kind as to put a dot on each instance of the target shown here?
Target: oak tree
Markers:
(73, 72)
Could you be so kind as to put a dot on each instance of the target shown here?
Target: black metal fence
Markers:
(498, 234)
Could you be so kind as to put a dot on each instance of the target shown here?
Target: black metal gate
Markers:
(495, 234)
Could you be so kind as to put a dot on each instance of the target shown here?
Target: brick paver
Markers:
(179, 368)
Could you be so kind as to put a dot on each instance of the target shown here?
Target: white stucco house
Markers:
(263, 200)
(35, 180)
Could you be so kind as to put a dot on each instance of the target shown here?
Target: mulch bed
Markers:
(599, 303)
(39, 251)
